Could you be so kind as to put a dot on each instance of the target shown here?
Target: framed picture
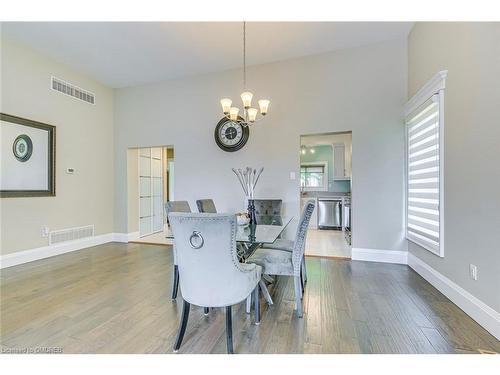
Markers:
(27, 158)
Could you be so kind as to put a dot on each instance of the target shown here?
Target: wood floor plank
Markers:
(329, 320)
(312, 303)
(437, 341)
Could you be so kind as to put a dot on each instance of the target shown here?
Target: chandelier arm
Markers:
(257, 119)
(245, 122)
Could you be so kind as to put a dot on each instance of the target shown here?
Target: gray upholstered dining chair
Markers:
(207, 260)
(206, 205)
(176, 206)
(288, 263)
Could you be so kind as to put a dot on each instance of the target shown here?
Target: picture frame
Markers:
(28, 158)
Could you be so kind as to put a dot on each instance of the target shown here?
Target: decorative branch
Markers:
(237, 173)
(248, 179)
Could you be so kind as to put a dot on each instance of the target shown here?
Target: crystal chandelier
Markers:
(249, 115)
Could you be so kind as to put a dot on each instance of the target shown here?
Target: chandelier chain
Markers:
(244, 56)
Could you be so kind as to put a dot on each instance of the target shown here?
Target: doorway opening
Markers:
(151, 180)
(326, 177)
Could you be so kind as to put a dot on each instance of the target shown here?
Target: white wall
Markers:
(362, 89)
(471, 54)
(84, 139)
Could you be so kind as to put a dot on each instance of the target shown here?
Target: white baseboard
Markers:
(125, 237)
(132, 236)
(483, 314)
(48, 251)
(384, 256)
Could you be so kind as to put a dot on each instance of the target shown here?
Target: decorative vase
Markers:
(251, 236)
(251, 211)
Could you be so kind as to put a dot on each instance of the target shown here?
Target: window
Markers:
(314, 176)
(424, 167)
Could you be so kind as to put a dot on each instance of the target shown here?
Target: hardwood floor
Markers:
(327, 243)
(115, 298)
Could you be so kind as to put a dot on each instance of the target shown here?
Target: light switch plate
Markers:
(473, 271)
(45, 231)
(292, 175)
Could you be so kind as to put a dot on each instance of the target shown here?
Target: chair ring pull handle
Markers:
(196, 240)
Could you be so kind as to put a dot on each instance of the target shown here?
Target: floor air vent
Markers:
(72, 90)
(71, 234)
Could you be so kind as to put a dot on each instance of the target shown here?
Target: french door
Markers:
(150, 190)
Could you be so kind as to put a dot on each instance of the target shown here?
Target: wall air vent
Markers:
(72, 90)
(71, 234)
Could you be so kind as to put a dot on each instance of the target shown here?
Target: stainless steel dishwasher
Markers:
(329, 213)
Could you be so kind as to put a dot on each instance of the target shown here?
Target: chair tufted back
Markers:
(300, 238)
(206, 205)
(268, 207)
(211, 275)
(177, 206)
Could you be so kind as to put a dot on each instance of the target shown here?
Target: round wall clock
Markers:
(231, 136)
(22, 148)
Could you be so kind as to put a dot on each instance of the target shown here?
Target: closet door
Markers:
(157, 188)
(150, 190)
(145, 196)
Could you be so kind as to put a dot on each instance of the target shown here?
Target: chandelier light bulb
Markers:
(226, 105)
(263, 105)
(252, 114)
(233, 113)
(246, 97)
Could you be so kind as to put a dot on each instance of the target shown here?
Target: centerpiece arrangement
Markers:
(248, 179)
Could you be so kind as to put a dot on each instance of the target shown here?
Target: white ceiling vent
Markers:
(72, 90)
(71, 234)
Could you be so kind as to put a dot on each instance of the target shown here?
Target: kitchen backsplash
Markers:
(338, 186)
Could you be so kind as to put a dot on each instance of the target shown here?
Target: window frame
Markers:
(435, 86)
(323, 164)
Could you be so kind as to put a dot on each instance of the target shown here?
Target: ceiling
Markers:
(121, 54)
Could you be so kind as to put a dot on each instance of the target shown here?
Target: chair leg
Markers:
(304, 269)
(206, 310)
(256, 308)
(229, 330)
(301, 286)
(175, 286)
(248, 303)
(265, 292)
(302, 282)
(268, 278)
(298, 296)
(182, 326)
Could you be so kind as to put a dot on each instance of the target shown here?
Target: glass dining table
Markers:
(250, 237)
(266, 230)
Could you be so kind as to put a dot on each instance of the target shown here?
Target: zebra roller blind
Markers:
(423, 175)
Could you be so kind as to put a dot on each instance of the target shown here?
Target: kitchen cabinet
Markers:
(313, 224)
(339, 161)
